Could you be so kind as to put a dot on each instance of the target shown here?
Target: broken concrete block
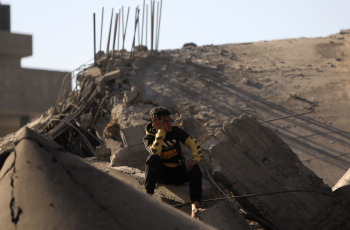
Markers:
(249, 158)
(92, 72)
(112, 75)
(129, 96)
(193, 127)
(113, 145)
(102, 80)
(133, 156)
(48, 188)
(132, 136)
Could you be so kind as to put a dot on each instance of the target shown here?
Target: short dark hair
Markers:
(159, 112)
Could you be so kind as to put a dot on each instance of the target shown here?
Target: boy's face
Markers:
(167, 123)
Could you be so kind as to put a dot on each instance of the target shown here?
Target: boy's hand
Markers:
(190, 164)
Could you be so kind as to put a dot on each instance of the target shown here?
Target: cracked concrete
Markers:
(47, 188)
(16, 211)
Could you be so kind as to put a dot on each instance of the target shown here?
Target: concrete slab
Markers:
(132, 136)
(249, 158)
(133, 156)
(52, 189)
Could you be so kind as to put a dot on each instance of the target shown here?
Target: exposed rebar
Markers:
(155, 42)
(115, 32)
(126, 26)
(143, 18)
(135, 28)
(146, 24)
(109, 34)
(101, 29)
(160, 16)
(119, 28)
(94, 21)
(152, 23)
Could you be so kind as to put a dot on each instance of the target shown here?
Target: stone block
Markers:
(129, 96)
(193, 127)
(92, 72)
(112, 75)
(132, 136)
(133, 156)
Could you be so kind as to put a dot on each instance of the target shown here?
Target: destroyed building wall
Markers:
(24, 93)
(249, 158)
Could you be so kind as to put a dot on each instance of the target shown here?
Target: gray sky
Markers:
(63, 30)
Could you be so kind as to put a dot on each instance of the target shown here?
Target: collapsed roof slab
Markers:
(249, 158)
(49, 188)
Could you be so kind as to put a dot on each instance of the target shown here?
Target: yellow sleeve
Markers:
(195, 148)
(156, 147)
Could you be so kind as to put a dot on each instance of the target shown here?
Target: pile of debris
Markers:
(259, 176)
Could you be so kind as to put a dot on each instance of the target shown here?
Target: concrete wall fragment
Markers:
(249, 158)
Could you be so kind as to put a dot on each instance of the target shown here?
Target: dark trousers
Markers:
(156, 171)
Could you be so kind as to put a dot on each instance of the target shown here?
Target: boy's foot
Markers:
(195, 210)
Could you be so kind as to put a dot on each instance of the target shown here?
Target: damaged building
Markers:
(24, 93)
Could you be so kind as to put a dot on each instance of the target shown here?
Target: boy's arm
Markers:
(153, 143)
(195, 148)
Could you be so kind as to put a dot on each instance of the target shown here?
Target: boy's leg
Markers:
(179, 175)
(195, 183)
(154, 169)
